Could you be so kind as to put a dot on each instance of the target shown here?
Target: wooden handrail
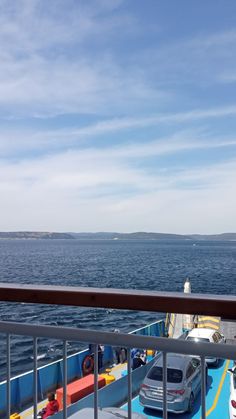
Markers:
(215, 305)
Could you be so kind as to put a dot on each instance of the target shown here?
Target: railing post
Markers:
(129, 371)
(35, 378)
(96, 382)
(64, 379)
(165, 414)
(8, 376)
(203, 386)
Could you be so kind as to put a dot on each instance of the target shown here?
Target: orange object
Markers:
(79, 389)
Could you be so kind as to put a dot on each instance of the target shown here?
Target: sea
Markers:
(131, 264)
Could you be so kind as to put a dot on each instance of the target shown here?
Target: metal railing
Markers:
(224, 306)
(164, 345)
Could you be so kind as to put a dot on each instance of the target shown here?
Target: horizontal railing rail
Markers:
(179, 346)
(223, 306)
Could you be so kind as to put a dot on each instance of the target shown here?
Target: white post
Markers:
(187, 318)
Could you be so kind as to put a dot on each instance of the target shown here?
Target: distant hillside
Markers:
(151, 236)
(115, 236)
(34, 235)
(223, 236)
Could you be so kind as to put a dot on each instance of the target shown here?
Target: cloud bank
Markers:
(114, 120)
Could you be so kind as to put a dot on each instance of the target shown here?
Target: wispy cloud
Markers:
(23, 145)
(103, 193)
(118, 124)
(52, 70)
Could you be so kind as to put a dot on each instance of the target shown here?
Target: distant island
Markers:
(34, 235)
(115, 236)
(152, 236)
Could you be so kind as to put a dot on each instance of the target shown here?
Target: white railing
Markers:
(164, 345)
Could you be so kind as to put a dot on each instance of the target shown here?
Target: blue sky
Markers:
(118, 115)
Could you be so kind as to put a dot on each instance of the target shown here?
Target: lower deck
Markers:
(217, 398)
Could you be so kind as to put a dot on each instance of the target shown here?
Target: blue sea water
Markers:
(149, 265)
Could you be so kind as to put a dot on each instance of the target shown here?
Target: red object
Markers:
(180, 391)
(233, 402)
(79, 389)
(88, 365)
(51, 408)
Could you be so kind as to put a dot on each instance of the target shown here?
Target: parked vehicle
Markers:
(202, 334)
(106, 413)
(183, 384)
(232, 396)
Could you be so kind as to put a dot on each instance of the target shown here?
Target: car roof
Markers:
(201, 332)
(176, 361)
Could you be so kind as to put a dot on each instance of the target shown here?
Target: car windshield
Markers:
(173, 375)
(198, 339)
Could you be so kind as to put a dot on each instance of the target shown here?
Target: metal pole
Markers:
(64, 379)
(129, 370)
(165, 414)
(96, 382)
(203, 386)
(8, 376)
(35, 378)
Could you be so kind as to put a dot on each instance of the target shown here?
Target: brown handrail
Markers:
(215, 305)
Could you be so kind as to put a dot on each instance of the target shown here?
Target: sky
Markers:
(118, 115)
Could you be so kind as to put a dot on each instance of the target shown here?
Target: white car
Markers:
(203, 334)
(232, 396)
(106, 413)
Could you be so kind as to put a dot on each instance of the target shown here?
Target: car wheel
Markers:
(191, 403)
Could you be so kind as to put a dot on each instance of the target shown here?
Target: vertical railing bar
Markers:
(203, 386)
(35, 349)
(129, 371)
(8, 342)
(64, 379)
(165, 414)
(96, 382)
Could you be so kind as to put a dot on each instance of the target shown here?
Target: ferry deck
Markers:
(217, 397)
(218, 383)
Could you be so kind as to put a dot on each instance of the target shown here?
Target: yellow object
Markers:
(150, 352)
(15, 416)
(210, 322)
(109, 378)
